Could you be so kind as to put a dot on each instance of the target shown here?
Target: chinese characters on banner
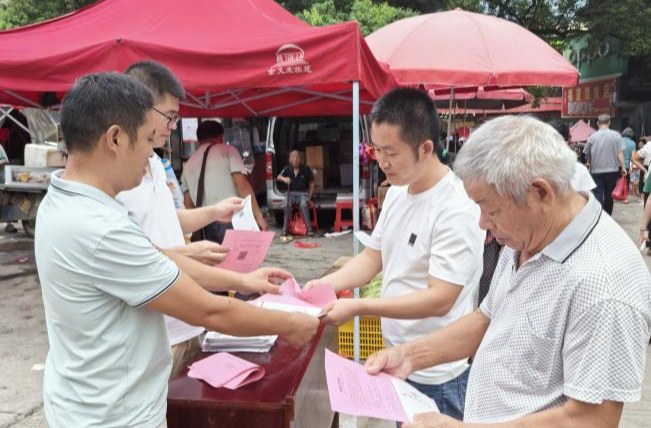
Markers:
(590, 99)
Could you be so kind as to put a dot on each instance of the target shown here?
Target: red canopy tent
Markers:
(243, 58)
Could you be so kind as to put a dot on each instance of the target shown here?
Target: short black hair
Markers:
(562, 128)
(413, 111)
(158, 78)
(98, 101)
(209, 129)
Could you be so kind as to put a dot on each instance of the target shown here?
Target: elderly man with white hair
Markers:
(560, 340)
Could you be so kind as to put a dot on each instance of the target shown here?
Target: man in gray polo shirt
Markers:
(604, 150)
(560, 339)
(104, 284)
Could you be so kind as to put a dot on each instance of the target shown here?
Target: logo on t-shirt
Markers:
(412, 239)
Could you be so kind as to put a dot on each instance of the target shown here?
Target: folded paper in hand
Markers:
(224, 370)
(293, 299)
(244, 219)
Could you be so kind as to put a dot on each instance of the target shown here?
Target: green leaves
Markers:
(16, 13)
(369, 14)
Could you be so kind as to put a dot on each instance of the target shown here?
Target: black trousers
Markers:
(606, 183)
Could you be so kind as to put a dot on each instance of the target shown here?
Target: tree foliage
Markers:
(16, 13)
(370, 15)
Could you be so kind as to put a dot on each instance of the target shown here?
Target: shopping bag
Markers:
(620, 193)
(297, 225)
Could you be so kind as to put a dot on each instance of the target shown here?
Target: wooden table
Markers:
(293, 392)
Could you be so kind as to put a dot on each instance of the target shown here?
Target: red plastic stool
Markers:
(313, 221)
(339, 223)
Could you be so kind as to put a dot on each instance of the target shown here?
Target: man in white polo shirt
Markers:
(427, 243)
(561, 338)
(151, 204)
(105, 285)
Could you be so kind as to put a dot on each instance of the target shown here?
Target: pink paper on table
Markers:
(225, 370)
(247, 249)
(355, 392)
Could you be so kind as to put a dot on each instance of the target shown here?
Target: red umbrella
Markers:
(459, 48)
(483, 99)
(580, 132)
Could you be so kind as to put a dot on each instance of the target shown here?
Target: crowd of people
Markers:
(509, 295)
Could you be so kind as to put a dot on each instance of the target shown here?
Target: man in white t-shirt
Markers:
(152, 206)
(224, 177)
(427, 243)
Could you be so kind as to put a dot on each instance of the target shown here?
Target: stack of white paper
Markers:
(219, 342)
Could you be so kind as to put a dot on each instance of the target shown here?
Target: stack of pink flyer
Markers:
(293, 299)
(224, 370)
(353, 391)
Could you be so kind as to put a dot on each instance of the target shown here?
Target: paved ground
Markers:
(23, 338)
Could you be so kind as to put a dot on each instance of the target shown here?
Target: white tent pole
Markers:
(356, 201)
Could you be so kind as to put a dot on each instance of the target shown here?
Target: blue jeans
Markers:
(450, 397)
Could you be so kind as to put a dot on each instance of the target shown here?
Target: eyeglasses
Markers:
(170, 120)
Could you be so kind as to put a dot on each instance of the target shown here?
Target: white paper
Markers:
(244, 219)
(189, 127)
(413, 401)
(292, 308)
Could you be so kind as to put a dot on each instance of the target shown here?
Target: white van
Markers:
(332, 138)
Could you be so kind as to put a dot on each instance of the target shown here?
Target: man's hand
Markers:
(302, 329)
(341, 311)
(433, 420)
(390, 360)
(261, 281)
(644, 236)
(225, 209)
(206, 252)
(624, 172)
(314, 283)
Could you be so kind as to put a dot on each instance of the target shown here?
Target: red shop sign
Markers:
(590, 99)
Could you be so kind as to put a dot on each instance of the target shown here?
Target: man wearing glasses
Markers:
(151, 205)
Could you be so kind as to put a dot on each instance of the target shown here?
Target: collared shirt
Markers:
(151, 205)
(573, 321)
(602, 149)
(299, 182)
(109, 358)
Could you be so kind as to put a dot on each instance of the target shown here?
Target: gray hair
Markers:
(603, 119)
(511, 151)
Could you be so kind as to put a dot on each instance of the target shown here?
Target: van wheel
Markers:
(279, 216)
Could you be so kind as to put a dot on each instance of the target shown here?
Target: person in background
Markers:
(105, 285)
(604, 150)
(561, 340)
(628, 149)
(224, 177)
(4, 160)
(642, 158)
(582, 180)
(300, 188)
